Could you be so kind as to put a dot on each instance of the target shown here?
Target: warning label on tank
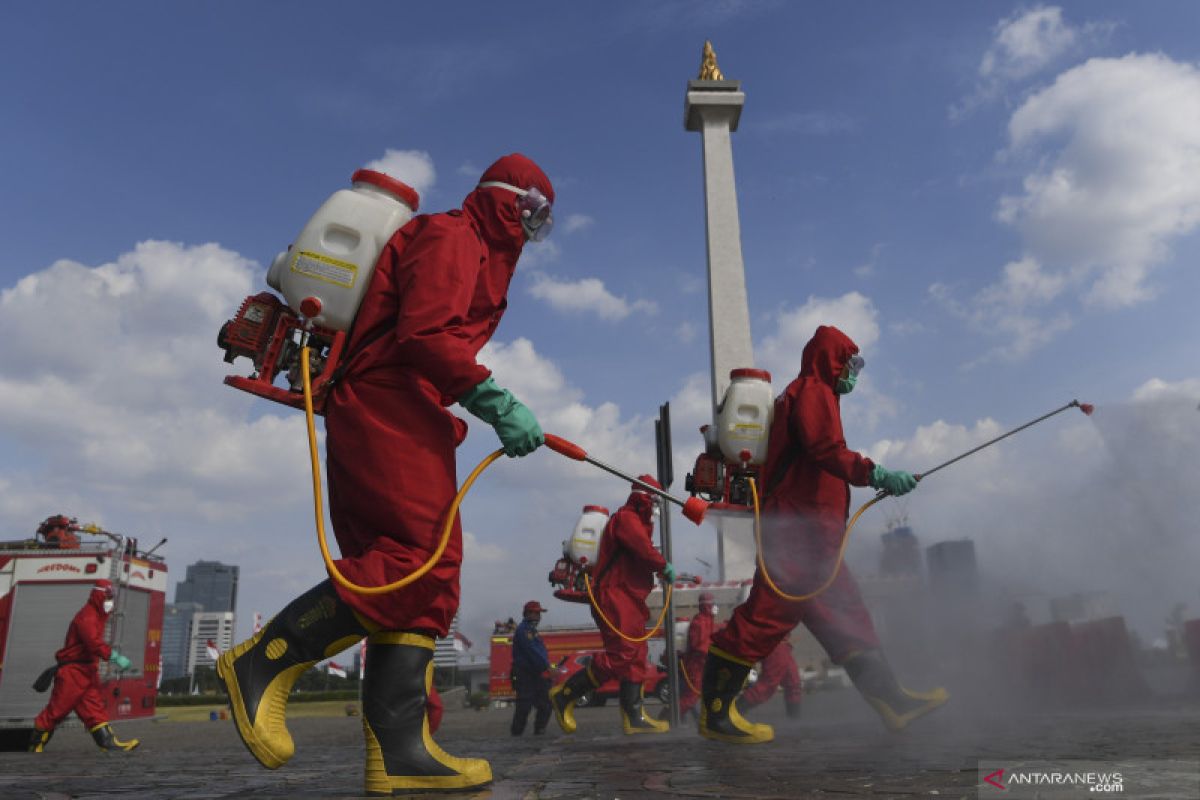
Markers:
(324, 268)
(749, 431)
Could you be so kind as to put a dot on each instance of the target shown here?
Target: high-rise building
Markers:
(209, 626)
(177, 638)
(211, 584)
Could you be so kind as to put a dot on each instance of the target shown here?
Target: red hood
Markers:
(826, 355)
(641, 504)
(494, 210)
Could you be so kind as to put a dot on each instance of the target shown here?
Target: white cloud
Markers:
(414, 167)
(1026, 43)
(577, 222)
(1116, 183)
(853, 313)
(587, 295)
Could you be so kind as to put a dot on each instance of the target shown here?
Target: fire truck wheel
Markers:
(591, 700)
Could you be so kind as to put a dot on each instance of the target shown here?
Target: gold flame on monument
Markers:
(709, 71)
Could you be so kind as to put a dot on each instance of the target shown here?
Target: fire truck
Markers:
(44, 581)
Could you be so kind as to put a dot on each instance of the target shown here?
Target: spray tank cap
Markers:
(401, 190)
(747, 372)
(597, 509)
(311, 307)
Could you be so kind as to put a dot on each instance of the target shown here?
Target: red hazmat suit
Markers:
(623, 577)
(700, 632)
(807, 481)
(77, 682)
(778, 669)
(437, 295)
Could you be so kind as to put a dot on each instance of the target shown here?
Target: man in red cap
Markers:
(777, 670)
(622, 579)
(437, 294)
(700, 631)
(77, 679)
(806, 499)
(530, 672)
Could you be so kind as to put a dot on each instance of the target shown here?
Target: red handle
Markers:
(563, 447)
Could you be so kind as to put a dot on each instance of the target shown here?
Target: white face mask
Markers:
(108, 606)
(714, 609)
(655, 513)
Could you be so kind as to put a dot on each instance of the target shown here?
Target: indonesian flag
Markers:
(461, 642)
(257, 621)
(334, 669)
(210, 647)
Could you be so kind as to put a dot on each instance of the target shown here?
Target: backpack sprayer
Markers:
(323, 277)
(1086, 408)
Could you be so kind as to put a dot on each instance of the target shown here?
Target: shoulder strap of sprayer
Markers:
(787, 460)
(372, 336)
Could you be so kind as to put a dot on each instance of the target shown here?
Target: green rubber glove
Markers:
(668, 572)
(515, 424)
(897, 483)
(121, 661)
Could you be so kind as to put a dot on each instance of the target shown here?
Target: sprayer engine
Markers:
(722, 483)
(269, 333)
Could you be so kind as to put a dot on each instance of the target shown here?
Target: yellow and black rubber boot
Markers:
(104, 736)
(896, 706)
(259, 673)
(39, 739)
(724, 677)
(633, 715)
(401, 754)
(564, 697)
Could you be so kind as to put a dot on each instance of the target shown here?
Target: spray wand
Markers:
(1086, 408)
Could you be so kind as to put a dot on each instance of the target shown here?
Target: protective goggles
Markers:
(855, 365)
(537, 218)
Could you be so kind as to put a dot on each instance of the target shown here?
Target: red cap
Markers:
(707, 597)
(746, 372)
(533, 605)
(600, 509)
(402, 190)
(646, 479)
(104, 585)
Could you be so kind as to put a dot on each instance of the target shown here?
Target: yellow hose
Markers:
(666, 604)
(451, 515)
(762, 564)
(687, 678)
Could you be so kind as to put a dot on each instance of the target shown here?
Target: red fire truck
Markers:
(44, 582)
(569, 649)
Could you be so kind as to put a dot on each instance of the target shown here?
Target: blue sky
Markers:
(997, 200)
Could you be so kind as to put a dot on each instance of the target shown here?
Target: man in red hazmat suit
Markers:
(691, 666)
(777, 670)
(437, 294)
(77, 679)
(806, 486)
(622, 579)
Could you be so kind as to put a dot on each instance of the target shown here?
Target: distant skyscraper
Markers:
(177, 637)
(214, 626)
(901, 556)
(211, 584)
(953, 572)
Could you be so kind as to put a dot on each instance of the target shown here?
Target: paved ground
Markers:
(837, 751)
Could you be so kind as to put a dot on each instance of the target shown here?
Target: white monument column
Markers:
(713, 108)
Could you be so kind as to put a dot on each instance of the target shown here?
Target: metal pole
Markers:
(662, 440)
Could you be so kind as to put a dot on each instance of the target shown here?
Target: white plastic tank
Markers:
(584, 544)
(744, 419)
(326, 271)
